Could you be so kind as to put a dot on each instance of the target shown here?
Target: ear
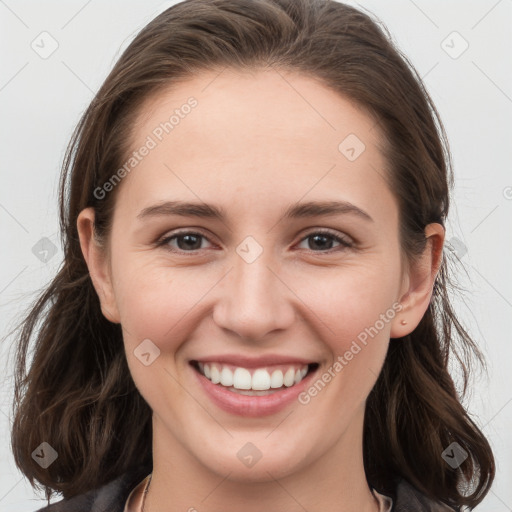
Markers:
(419, 283)
(96, 258)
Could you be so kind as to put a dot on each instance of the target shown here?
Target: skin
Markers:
(256, 143)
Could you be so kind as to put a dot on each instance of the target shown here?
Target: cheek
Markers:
(350, 301)
(157, 302)
(353, 312)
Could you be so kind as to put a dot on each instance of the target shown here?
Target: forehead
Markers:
(277, 109)
(268, 132)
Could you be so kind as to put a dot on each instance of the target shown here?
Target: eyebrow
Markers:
(210, 211)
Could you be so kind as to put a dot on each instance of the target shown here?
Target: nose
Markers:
(254, 300)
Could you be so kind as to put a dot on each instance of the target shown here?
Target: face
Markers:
(269, 289)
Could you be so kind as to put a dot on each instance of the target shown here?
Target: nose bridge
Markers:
(254, 300)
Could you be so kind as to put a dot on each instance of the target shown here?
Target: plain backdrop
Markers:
(55, 55)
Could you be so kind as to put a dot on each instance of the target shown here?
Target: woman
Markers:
(253, 309)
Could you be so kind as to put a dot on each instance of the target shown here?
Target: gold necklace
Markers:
(146, 489)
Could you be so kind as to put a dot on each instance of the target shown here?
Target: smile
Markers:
(254, 381)
(256, 389)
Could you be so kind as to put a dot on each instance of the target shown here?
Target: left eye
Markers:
(319, 239)
(190, 241)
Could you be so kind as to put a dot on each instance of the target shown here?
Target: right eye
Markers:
(187, 241)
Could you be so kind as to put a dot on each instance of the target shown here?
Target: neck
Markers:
(334, 482)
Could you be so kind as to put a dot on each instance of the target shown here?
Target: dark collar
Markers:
(112, 497)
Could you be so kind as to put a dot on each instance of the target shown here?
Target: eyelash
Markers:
(345, 244)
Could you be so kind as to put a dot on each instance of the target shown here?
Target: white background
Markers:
(41, 101)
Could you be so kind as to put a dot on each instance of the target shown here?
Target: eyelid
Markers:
(326, 231)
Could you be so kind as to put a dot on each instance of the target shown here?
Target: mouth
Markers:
(257, 388)
(261, 381)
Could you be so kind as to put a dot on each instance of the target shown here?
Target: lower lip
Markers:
(252, 406)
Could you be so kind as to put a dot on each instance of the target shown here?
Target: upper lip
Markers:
(254, 362)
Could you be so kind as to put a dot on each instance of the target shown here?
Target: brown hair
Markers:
(78, 394)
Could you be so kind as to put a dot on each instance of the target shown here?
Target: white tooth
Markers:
(297, 378)
(215, 374)
(261, 380)
(242, 379)
(226, 376)
(276, 380)
(303, 372)
(206, 371)
(289, 377)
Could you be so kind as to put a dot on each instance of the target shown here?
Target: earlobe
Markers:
(419, 283)
(97, 263)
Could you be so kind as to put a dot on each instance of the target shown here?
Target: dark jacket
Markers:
(112, 497)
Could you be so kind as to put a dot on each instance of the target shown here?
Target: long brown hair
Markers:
(77, 393)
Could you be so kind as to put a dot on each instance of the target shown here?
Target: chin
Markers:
(246, 463)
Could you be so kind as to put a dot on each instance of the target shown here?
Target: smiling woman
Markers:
(255, 315)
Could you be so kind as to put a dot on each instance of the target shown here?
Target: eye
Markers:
(186, 241)
(323, 240)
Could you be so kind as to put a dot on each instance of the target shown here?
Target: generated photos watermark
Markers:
(343, 360)
(151, 142)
